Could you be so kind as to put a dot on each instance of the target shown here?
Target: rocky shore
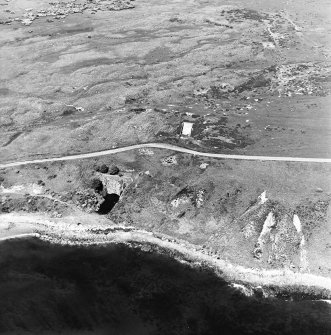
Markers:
(116, 289)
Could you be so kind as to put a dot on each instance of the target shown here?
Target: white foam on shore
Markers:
(19, 236)
(63, 231)
(33, 189)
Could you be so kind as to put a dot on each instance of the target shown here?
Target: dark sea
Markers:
(115, 289)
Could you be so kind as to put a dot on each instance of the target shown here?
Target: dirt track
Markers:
(167, 147)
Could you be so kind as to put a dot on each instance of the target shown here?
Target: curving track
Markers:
(167, 147)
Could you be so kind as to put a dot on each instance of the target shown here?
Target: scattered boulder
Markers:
(87, 200)
(59, 10)
(170, 160)
(203, 166)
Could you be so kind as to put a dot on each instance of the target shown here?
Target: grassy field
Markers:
(254, 74)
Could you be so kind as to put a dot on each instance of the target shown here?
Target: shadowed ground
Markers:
(117, 290)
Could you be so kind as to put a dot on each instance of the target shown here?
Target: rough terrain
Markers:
(253, 78)
(278, 221)
(194, 133)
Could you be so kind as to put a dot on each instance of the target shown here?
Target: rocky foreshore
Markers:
(276, 283)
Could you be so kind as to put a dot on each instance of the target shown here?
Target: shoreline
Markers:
(182, 251)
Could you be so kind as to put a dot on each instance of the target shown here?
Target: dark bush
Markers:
(69, 110)
(114, 170)
(102, 168)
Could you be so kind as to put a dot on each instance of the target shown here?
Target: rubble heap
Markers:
(87, 200)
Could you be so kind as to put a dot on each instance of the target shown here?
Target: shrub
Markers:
(114, 170)
(102, 168)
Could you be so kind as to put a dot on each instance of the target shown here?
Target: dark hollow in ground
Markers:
(110, 201)
(51, 289)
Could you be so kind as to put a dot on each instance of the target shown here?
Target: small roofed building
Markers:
(187, 129)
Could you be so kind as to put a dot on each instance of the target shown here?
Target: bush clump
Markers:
(113, 170)
(102, 168)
